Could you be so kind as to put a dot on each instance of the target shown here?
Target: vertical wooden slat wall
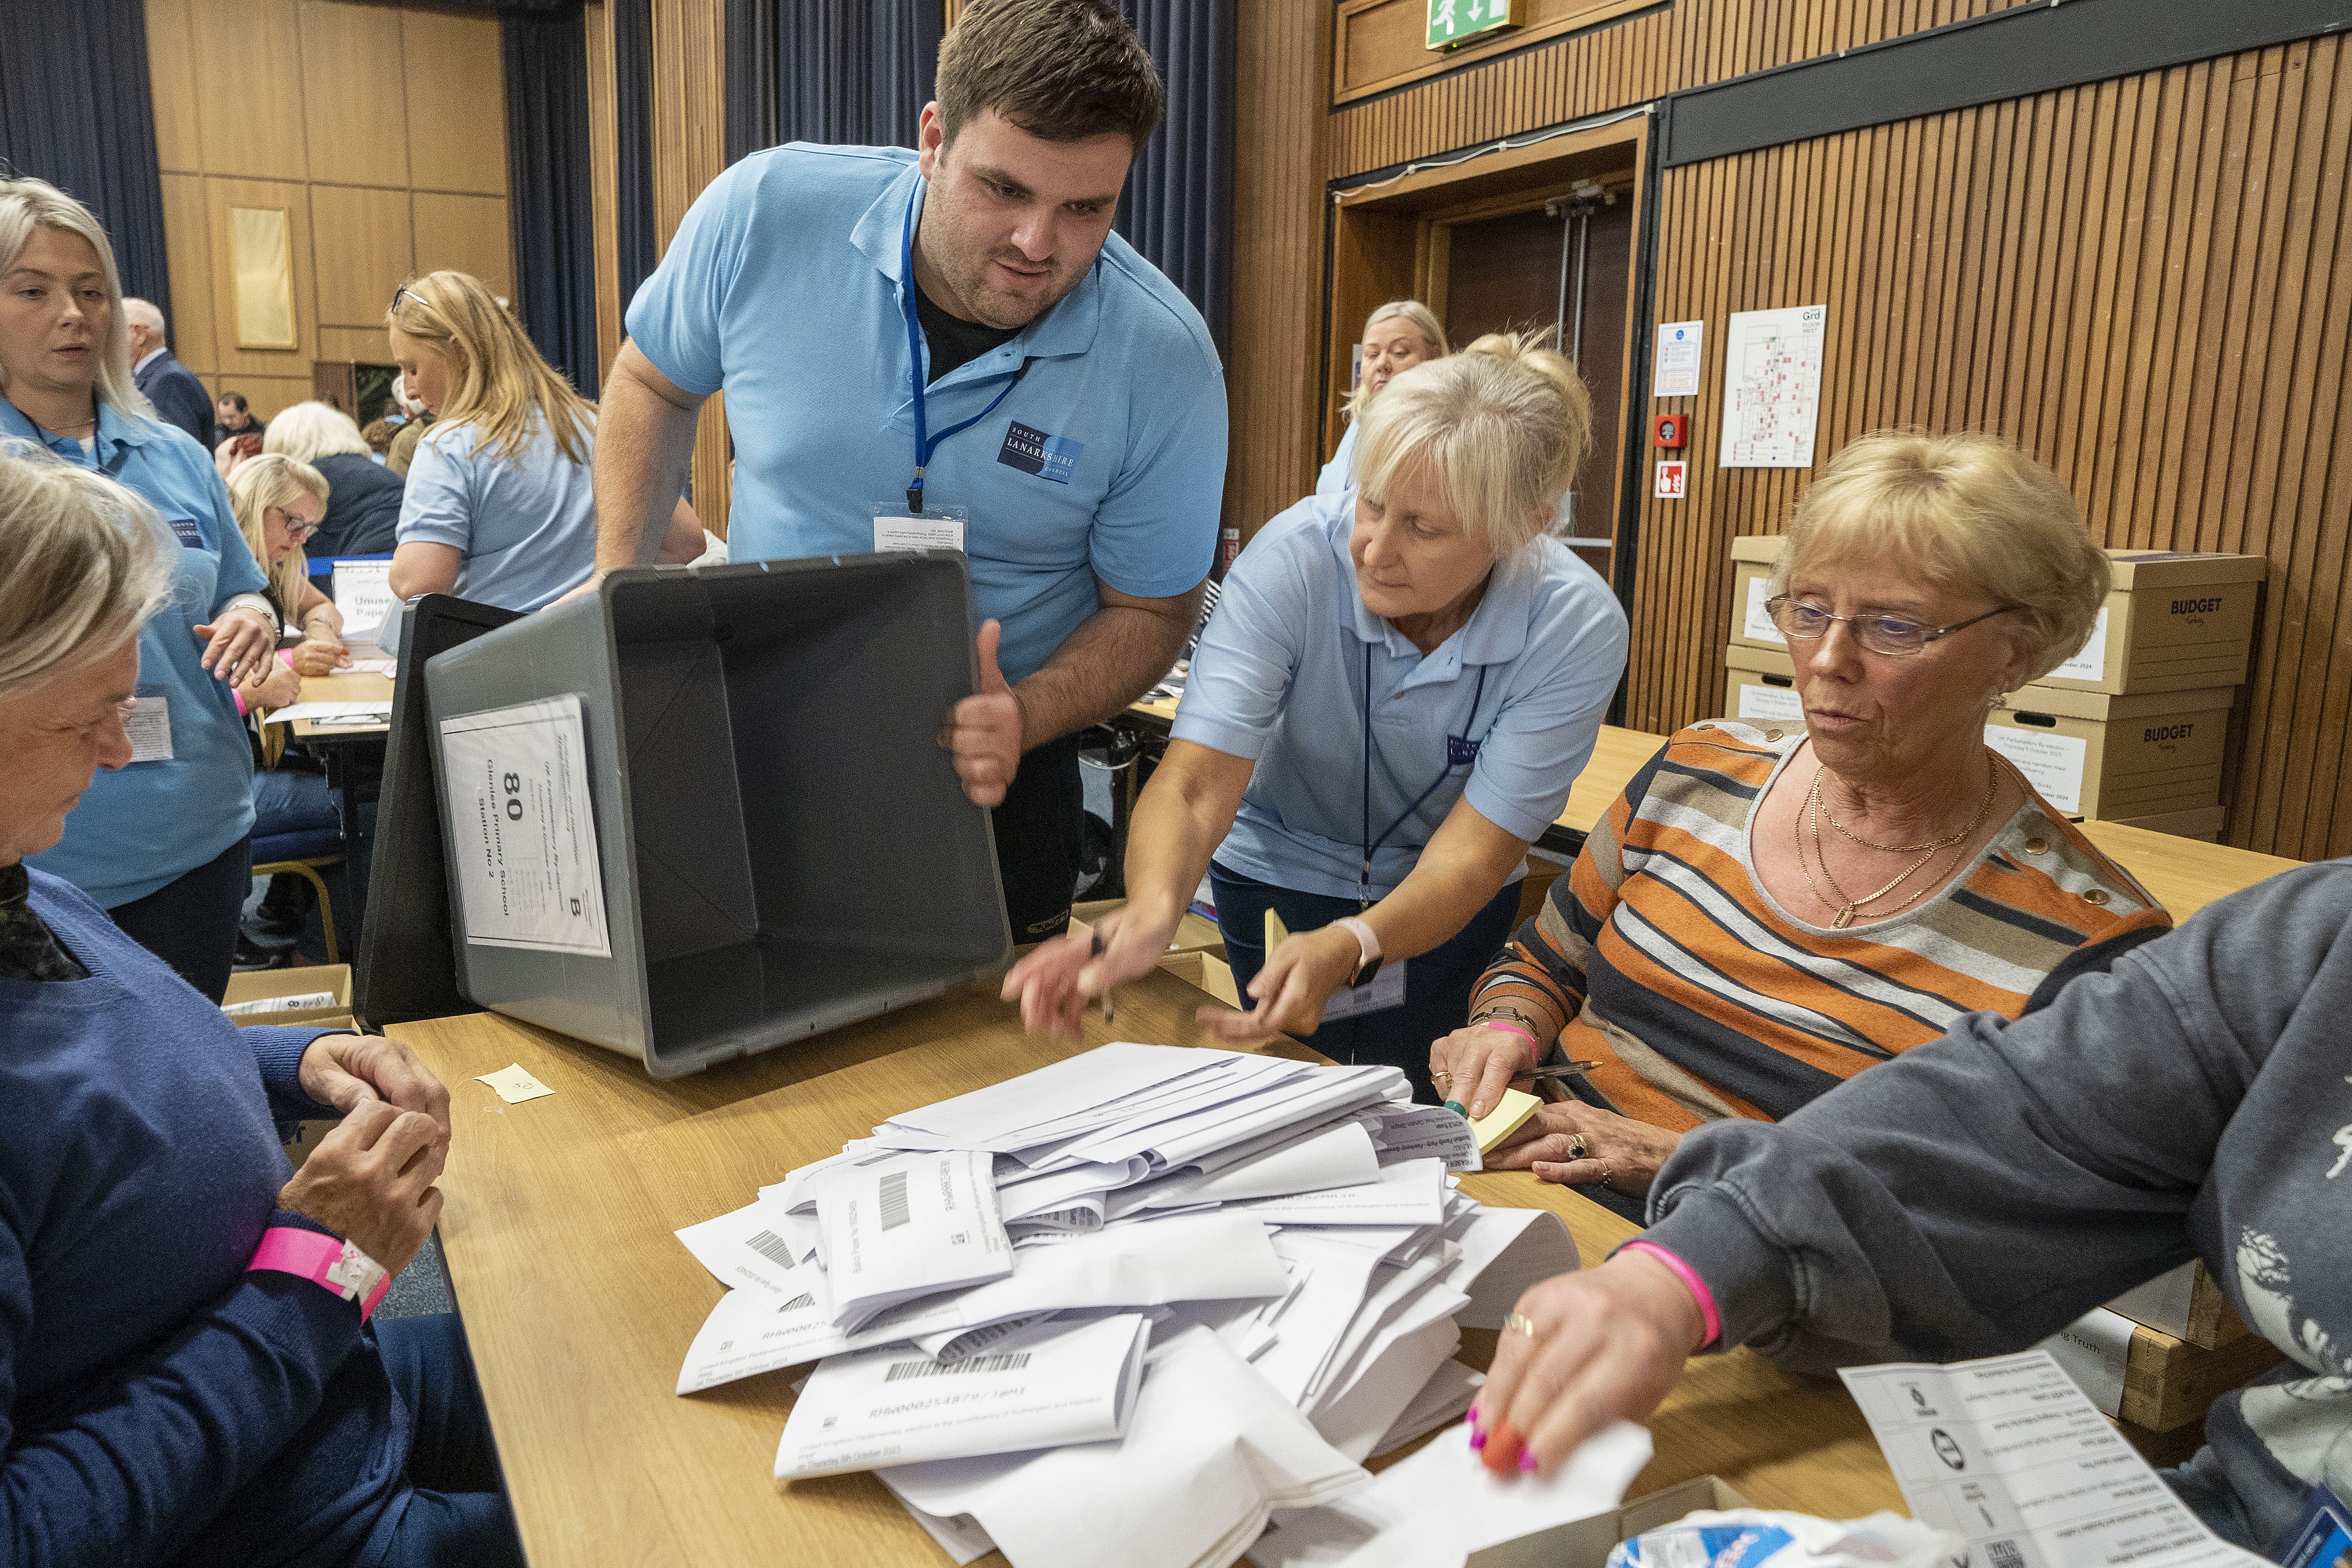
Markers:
(689, 120)
(2146, 282)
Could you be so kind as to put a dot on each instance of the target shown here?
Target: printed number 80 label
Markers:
(513, 785)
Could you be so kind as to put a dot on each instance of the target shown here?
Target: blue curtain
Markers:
(851, 71)
(635, 240)
(77, 109)
(549, 206)
(1179, 207)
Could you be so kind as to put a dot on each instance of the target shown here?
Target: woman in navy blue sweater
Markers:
(187, 1375)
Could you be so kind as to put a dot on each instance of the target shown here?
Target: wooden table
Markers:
(579, 1304)
(353, 754)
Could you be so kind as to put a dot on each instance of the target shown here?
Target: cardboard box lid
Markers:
(2137, 569)
(2110, 707)
(1762, 661)
(1761, 548)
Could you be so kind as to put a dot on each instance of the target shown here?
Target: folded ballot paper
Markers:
(1135, 1306)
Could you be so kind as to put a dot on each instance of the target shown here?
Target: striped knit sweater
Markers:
(1661, 956)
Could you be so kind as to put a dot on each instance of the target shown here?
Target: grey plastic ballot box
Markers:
(784, 847)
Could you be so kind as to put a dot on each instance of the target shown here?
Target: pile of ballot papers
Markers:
(1129, 1306)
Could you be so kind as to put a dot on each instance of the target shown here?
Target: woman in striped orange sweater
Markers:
(1767, 911)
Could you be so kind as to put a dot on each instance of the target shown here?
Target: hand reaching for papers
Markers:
(1059, 977)
(983, 730)
(1479, 1062)
(1606, 1342)
(1299, 978)
(1619, 1152)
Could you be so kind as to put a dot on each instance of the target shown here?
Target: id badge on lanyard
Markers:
(916, 526)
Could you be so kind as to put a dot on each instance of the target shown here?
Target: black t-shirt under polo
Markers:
(953, 340)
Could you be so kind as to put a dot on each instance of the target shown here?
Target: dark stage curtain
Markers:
(852, 71)
(76, 111)
(1179, 205)
(549, 206)
(633, 145)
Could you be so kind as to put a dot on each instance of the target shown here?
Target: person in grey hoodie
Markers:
(1980, 1192)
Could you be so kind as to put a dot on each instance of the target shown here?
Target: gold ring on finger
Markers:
(1519, 1323)
(1576, 1146)
(1607, 1170)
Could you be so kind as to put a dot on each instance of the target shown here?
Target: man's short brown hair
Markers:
(1061, 69)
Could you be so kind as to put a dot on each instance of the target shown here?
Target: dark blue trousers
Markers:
(1436, 985)
(457, 1515)
(190, 922)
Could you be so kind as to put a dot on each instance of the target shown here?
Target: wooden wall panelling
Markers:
(1282, 54)
(465, 233)
(267, 395)
(229, 358)
(365, 248)
(602, 174)
(247, 62)
(172, 73)
(455, 86)
(187, 247)
(688, 90)
(354, 104)
(1382, 43)
(360, 345)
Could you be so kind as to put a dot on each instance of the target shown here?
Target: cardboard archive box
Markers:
(1752, 555)
(267, 996)
(2172, 623)
(2091, 753)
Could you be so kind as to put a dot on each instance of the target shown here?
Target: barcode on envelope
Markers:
(805, 1299)
(2004, 1555)
(1010, 1361)
(895, 1212)
(771, 1247)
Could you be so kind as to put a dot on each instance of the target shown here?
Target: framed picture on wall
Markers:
(261, 249)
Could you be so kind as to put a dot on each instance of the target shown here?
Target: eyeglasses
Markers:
(295, 528)
(1878, 633)
(404, 293)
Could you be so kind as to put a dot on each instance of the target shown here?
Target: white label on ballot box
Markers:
(523, 832)
(2009, 1453)
(943, 529)
(2052, 763)
(1382, 992)
(2092, 661)
(148, 728)
(363, 594)
(1781, 703)
(1758, 622)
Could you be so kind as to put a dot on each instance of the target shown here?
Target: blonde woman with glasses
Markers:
(281, 504)
(1765, 912)
(499, 507)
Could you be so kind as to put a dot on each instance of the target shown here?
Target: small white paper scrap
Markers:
(514, 1085)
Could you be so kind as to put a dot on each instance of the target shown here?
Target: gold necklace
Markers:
(1847, 906)
(1993, 785)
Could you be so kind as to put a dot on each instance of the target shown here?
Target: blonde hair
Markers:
(1505, 424)
(1966, 514)
(1424, 321)
(85, 565)
(498, 383)
(27, 205)
(258, 483)
(309, 431)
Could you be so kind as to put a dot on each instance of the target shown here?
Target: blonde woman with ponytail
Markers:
(1398, 687)
(499, 507)
(281, 504)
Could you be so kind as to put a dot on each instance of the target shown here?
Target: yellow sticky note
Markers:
(1275, 931)
(514, 1085)
(1504, 1119)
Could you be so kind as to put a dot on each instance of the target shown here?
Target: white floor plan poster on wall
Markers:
(1772, 387)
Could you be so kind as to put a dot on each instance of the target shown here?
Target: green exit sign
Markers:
(1452, 23)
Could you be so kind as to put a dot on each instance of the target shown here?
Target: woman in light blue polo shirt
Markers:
(1397, 689)
(161, 844)
(1398, 336)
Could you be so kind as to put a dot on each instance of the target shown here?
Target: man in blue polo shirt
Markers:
(950, 348)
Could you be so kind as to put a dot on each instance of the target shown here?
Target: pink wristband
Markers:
(1534, 1047)
(1708, 1316)
(338, 1266)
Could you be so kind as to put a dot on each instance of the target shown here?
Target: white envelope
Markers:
(1041, 1387)
(1340, 1156)
(913, 1225)
(1209, 1452)
(1422, 1131)
(1504, 1252)
(1434, 1508)
(1411, 1194)
(753, 1246)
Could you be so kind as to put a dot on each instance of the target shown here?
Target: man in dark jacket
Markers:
(180, 399)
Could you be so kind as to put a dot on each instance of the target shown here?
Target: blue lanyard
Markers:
(925, 442)
(1460, 752)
